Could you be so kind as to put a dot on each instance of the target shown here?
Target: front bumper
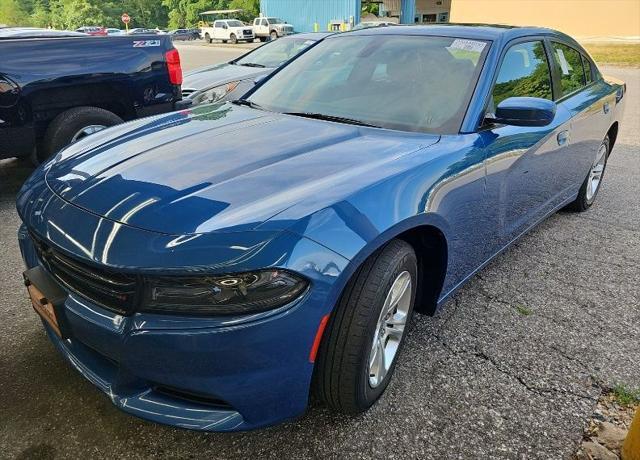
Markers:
(212, 373)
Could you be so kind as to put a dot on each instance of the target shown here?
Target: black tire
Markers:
(582, 202)
(341, 375)
(263, 39)
(207, 38)
(62, 129)
(273, 35)
(233, 39)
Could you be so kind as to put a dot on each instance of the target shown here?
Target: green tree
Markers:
(12, 13)
(40, 14)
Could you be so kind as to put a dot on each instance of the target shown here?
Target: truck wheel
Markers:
(263, 39)
(366, 330)
(72, 125)
(207, 38)
(273, 35)
(233, 39)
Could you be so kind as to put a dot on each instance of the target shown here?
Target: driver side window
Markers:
(524, 72)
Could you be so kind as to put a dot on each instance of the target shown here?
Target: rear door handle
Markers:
(606, 107)
(563, 137)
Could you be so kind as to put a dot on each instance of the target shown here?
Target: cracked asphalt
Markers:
(511, 367)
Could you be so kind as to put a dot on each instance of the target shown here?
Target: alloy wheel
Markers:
(390, 329)
(595, 175)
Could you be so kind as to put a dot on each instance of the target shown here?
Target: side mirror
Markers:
(524, 111)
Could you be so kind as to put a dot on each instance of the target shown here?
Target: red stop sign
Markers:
(125, 18)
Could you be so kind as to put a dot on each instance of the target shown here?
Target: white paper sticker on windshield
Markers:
(467, 45)
(564, 65)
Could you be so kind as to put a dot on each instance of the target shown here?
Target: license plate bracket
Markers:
(47, 299)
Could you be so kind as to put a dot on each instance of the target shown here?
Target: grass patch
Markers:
(523, 310)
(625, 396)
(622, 54)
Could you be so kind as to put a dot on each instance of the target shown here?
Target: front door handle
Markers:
(563, 137)
(606, 107)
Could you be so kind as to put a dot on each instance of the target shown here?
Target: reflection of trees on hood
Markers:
(211, 112)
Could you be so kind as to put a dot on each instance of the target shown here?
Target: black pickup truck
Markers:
(56, 87)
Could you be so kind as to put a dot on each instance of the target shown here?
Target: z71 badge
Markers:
(145, 43)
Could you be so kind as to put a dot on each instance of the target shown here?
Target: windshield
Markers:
(409, 83)
(274, 21)
(275, 53)
(234, 24)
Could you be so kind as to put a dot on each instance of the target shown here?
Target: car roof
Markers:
(309, 35)
(471, 31)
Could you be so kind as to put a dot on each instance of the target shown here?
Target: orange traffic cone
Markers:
(631, 446)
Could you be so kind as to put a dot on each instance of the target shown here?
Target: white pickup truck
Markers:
(264, 28)
(228, 30)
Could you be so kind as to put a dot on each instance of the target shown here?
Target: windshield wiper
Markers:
(322, 116)
(253, 64)
(248, 103)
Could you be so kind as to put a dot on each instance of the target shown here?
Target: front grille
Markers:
(114, 291)
(248, 32)
(186, 92)
(193, 397)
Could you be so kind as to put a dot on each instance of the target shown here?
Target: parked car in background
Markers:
(93, 31)
(265, 27)
(45, 105)
(113, 31)
(368, 24)
(212, 268)
(36, 32)
(228, 30)
(228, 81)
(141, 31)
(182, 35)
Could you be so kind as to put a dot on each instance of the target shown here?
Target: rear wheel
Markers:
(233, 39)
(593, 181)
(366, 332)
(72, 125)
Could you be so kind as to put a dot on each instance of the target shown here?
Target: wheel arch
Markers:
(427, 237)
(613, 135)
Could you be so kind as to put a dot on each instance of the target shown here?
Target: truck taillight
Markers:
(173, 63)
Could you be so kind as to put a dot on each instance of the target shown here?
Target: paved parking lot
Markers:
(510, 368)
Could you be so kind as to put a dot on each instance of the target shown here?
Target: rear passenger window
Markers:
(587, 70)
(569, 64)
(524, 72)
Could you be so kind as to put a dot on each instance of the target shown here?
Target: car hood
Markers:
(208, 77)
(220, 167)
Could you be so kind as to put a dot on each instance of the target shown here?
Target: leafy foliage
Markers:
(71, 14)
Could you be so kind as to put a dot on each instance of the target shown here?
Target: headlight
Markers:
(214, 94)
(241, 293)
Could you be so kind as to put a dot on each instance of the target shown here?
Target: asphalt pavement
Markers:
(510, 368)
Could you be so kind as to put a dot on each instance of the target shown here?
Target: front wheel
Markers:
(207, 38)
(359, 350)
(233, 39)
(273, 35)
(593, 181)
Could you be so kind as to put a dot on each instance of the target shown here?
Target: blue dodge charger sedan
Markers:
(212, 268)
